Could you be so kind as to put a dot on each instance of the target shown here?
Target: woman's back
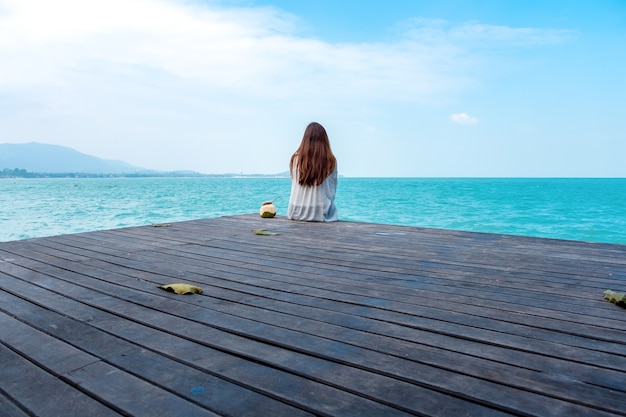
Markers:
(313, 170)
(313, 203)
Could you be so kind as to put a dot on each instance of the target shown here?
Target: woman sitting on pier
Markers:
(313, 170)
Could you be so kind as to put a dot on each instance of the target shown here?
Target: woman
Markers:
(313, 170)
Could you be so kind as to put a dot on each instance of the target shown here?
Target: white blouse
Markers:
(313, 204)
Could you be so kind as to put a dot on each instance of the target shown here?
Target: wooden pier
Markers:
(336, 319)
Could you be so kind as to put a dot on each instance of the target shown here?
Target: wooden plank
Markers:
(270, 380)
(42, 393)
(557, 348)
(497, 302)
(10, 408)
(221, 396)
(58, 357)
(487, 288)
(619, 347)
(369, 359)
(133, 395)
(374, 319)
(109, 385)
(466, 267)
(585, 336)
(472, 295)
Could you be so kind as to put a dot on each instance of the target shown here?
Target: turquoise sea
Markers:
(578, 209)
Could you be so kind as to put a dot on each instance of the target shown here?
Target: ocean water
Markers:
(591, 210)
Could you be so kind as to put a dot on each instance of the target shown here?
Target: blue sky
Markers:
(405, 88)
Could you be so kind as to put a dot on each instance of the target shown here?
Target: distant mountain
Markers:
(39, 157)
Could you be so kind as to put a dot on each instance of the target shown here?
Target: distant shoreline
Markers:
(22, 173)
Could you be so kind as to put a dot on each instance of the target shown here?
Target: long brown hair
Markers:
(314, 159)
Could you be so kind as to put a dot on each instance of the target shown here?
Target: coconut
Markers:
(268, 209)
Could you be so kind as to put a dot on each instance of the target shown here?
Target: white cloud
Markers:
(186, 84)
(245, 50)
(463, 119)
(437, 31)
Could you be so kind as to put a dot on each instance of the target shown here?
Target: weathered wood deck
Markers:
(339, 319)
